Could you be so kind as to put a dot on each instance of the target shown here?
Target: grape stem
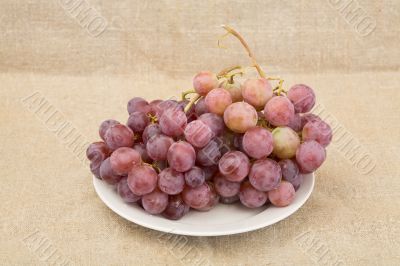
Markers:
(280, 87)
(186, 93)
(246, 47)
(227, 70)
(192, 101)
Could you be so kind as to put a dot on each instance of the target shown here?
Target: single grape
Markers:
(138, 104)
(212, 200)
(310, 155)
(195, 177)
(257, 92)
(234, 165)
(302, 97)
(235, 91)
(265, 174)
(257, 142)
(150, 131)
(125, 192)
(286, 142)
(155, 107)
(305, 118)
(157, 147)
(204, 82)
(240, 116)
(210, 154)
(283, 195)
(119, 136)
(171, 181)
(214, 122)
(181, 156)
(176, 208)
(198, 134)
(138, 121)
(210, 171)
(217, 100)
(290, 172)
(229, 200)
(141, 149)
(279, 111)
(295, 123)
(95, 169)
(155, 202)
(142, 179)
(198, 197)
(97, 152)
(173, 122)
(107, 174)
(124, 159)
(224, 187)
(319, 131)
(251, 197)
(201, 107)
(105, 125)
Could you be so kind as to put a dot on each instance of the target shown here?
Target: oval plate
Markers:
(221, 220)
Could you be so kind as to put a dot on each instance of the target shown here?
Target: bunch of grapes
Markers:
(251, 143)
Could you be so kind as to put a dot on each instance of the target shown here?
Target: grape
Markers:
(142, 179)
(309, 117)
(157, 147)
(214, 122)
(265, 174)
(234, 165)
(138, 121)
(209, 155)
(95, 169)
(295, 123)
(251, 197)
(119, 136)
(290, 172)
(105, 125)
(171, 181)
(138, 104)
(310, 155)
(279, 111)
(155, 107)
(224, 187)
(238, 142)
(240, 116)
(229, 200)
(257, 92)
(124, 159)
(195, 177)
(97, 152)
(213, 199)
(217, 100)
(166, 105)
(155, 202)
(201, 107)
(176, 208)
(302, 97)
(318, 131)
(150, 131)
(283, 195)
(209, 171)
(198, 134)
(286, 142)
(181, 156)
(234, 90)
(204, 82)
(141, 149)
(198, 197)
(107, 174)
(257, 142)
(125, 192)
(172, 122)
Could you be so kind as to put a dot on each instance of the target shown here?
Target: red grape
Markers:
(318, 131)
(213, 199)
(195, 177)
(119, 136)
(279, 111)
(173, 122)
(124, 159)
(157, 147)
(142, 179)
(95, 169)
(305, 118)
(138, 104)
(197, 197)
(251, 197)
(283, 195)
(257, 142)
(201, 107)
(198, 134)
(310, 155)
(204, 82)
(150, 131)
(257, 92)
(224, 187)
(302, 97)
(210, 154)
(234, 165)
(290, 172)
(214, 122)
(155, 202)
(105, 125)
(181, 156)
(265, 174)
(235, 90)
(240, 116)
(171, 181)
(138, 121)
(295, 123)
(141, 149)
(125, 192)
(97, 152)
(176, 208)
(217, 100)
(107, 174)
(209, 171)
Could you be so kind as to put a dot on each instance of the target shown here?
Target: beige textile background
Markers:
(50, 213)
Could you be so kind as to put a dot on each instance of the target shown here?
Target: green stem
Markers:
(187, 93)
(192, 101)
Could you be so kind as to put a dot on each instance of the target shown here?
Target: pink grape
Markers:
(235, 90)
(240, 116)
(97, 152)
(212, 200)
(290, 172)
(283, 195)
(204, 82)
(310, 155)
(302, 97)
(209, 171)
(305, 118)
(234, 165)
(318, 131)
(195, 177)
(138, 104)
(198, 134)
(201, 107)
(142, 179)
(107, 174)
(150, 131)
(229, 200)
(119, 136)
(155, 202)
(214, 122)
(209, 155)
(171, 181)
(166, 105)
(176, 208)
(181, 156)
(105, 125)
(279, 111)
(286, 142)
(257, 92)
(257, 142)
(251, 197)
(173, 122)
(95, 169)
(141, 149)
(138, 121)
(295, 123)
(265, 174)
(155, 107)
(224, 187)
(125, 192)
(217, 100)
(124, 159)
(197, 197)
(157, 147)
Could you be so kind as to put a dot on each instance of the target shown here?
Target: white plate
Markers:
(221, 220)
